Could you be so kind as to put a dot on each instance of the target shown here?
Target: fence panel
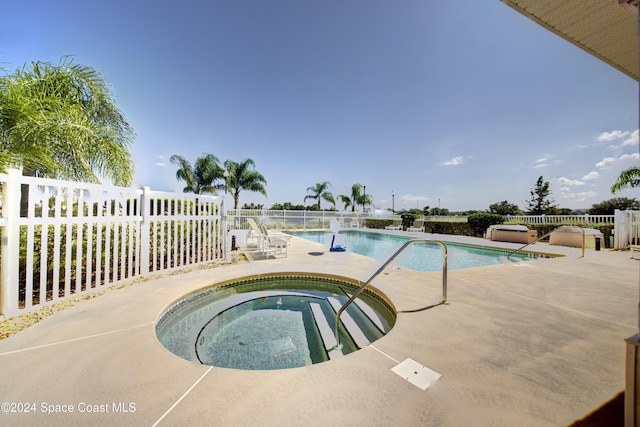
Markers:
(183, 230)
(561, 219)
(293, 219)
(627, 231)
(62, 239)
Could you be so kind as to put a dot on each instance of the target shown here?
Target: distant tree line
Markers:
(541, 203)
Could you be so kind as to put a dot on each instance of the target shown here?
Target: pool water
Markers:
(278, 322)
(419, 256)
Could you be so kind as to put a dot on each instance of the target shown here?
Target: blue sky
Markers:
(457, 104)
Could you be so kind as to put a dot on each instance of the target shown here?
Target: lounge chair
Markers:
(418, 226)
(266, 243)
(275, 243)
(255, 234)
(396, 225)
(355, 223)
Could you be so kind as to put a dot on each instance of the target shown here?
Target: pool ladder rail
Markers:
(381, 269)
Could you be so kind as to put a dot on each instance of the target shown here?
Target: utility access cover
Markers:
(416, 373)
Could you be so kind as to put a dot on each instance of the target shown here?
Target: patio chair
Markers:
(255, 236)
(418, 226)
(396, 225)
(266, 243)
(276, 240)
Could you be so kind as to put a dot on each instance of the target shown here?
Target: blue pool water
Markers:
(419, 256)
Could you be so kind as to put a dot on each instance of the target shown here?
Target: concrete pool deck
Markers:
(534, 343)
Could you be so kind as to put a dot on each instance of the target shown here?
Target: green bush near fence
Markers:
(434, 227)
(377, 223)
(455, 228)
(480, 222)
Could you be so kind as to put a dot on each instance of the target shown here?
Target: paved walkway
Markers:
(529, 344)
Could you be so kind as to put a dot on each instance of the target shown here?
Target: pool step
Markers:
(370, 313)
(349, 324)
(326, 332)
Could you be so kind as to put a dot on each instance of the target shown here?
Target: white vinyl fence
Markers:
(61, 239)
(627, 230)
(293, 219)
(583, 220)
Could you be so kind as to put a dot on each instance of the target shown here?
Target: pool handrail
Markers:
(545, 235)
(379, 270)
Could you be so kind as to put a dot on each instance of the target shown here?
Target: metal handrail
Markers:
(545, 235)
(368, 282)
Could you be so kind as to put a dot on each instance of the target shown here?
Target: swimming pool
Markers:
(273, 321)
(420, 256)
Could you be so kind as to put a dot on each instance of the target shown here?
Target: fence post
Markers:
(145, 230)
(10, 244)
(224, 228)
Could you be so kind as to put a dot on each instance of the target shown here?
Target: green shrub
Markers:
(481, 221)
(407, 219)
(377, 223)
(458, 228)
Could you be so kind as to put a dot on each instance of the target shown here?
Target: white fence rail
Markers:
(585, 219)
(320, 219)
(285, 219)
(61, 239)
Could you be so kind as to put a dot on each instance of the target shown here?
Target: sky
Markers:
(451, 104)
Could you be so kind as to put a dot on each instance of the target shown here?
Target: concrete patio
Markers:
(536, 343)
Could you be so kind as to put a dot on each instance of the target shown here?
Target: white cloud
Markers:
(579, 197)
(567, 181)
(454, 162)
(633, 156)
(609, 162)
(542, 162)
(413, 198)
(591, 175)
(632, 140)
(605, 163)
(160, 161)
(611, 136)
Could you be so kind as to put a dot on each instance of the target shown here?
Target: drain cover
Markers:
(416, 373)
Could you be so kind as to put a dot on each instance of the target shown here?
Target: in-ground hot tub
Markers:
(273, 321)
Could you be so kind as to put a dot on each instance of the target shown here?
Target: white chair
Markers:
(265, 243)
(418, 226)
(396, 225)
(275, 243)
(255, 236)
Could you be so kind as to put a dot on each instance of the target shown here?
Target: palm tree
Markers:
(243, 176)
(319, 191)
(628, 178)
(201, 178)
(61, 121)
(357, 198)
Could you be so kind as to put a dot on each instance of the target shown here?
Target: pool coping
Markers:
(514, 347)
